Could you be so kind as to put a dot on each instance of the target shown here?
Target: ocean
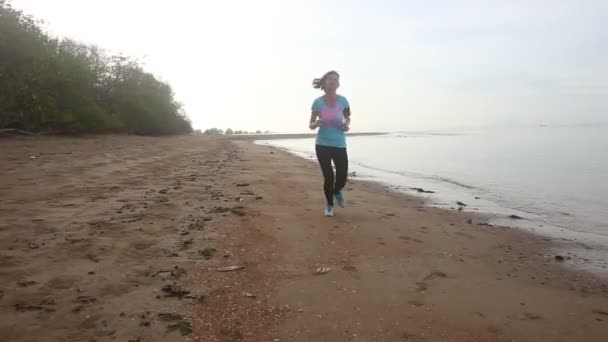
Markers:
(555, 178)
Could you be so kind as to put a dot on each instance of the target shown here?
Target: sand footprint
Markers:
(529, 316)
(408, 239)
(416, 303)
(435, 274)
(423, 285)
(408, 337)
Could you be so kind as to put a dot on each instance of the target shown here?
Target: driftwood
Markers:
(15, 131)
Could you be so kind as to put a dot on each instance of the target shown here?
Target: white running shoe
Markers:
(329, 211)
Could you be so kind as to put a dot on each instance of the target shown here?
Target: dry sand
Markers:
(121, 238)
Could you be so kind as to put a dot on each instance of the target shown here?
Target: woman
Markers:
(331, 113)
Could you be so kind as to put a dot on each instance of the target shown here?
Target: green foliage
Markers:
(213, 131)
(62, 86)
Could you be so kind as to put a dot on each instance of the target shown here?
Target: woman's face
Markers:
(332, 82)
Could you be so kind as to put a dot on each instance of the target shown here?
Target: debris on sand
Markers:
(435, 274)
(600, 312)
(26, 307)
(530, 316)
(184, 327)
(241, 185)
(85, 300)
(168, 317)
(172, 290)
(220, 210)
(461, 204)
(207, 252)
(516, 217)
(185, 244)
(559, 258)
(43, 306)
(230, 268)
(178, 273)
(26, 283)
(415, 303)
(239, 211)
(322, 270)
(422, 191)
(421, 287)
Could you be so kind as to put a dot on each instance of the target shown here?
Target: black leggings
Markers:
(325, 154)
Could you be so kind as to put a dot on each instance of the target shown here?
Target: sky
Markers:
(404, 65)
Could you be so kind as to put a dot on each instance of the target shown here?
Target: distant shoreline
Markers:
(292, 136)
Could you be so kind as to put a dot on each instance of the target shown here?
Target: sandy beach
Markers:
(123, 238)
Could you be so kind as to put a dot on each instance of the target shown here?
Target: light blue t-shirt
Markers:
(331, 133)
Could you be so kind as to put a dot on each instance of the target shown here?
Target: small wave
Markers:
(423, 134)
(412, 174)
(451, 181)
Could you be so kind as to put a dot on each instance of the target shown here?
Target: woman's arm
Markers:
(314, 123)
(346, 113)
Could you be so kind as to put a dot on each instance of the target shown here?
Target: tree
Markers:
(62, 86)
(213, 131)
(229, 131)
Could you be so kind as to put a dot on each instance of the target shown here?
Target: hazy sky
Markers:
(405, 65)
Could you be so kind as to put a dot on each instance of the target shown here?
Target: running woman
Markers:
(331, 114)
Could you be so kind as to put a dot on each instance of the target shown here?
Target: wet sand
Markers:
(127, 239)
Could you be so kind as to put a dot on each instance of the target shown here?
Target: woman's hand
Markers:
(346, 125)
(315, 124)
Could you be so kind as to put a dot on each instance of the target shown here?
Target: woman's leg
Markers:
(324, 154)
(340, 157)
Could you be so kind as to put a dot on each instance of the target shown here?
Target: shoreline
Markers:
(524, 260)
(125, 237)
(288, 136)
(583, 250)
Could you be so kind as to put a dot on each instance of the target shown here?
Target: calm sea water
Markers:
(555, 178)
